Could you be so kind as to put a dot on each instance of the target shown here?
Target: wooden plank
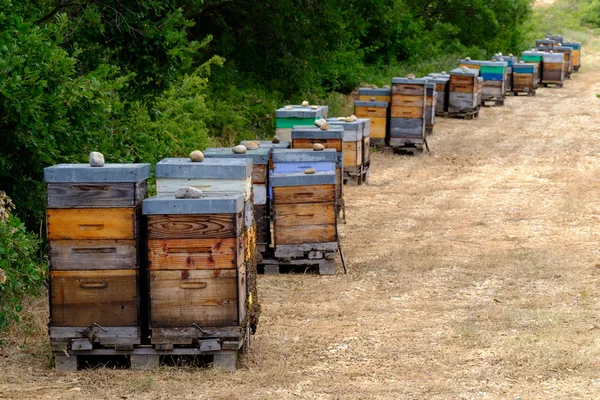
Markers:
(366, 148)
(93, 254)
(91, 223)
(378, 127)
(204, 297)
(370, 112)
(469, 80)
(287, 215)
(366, 97)
(407, 112)
(166, 186)
(95, 195)
(308, 143)
(305, 234)
(303, 194)
(262, 224)
(461, 88)
(353, 153)
(193, 226)
(408, 101)
(242, 290)
(407, 89)
(187, 334)
(181, 254)
(259, 174)
(80, 298)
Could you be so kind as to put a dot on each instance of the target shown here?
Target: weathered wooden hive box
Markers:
(260, 175)
(285, 120)
(442, 90)
(93, 224)
(555, 38)
(377, 113)
(196, 266)
(464, 87)
(544, 44)
(379, 94)
(525, 78)
(576, 46)
(357, 146)
(430, 103)
(304, 214)
(306, 137)
(298, 160)
(408, 111)
(471, 64)
(568, 60)
(510, 61)
(534, 57)
(494, 80)
(553, 68)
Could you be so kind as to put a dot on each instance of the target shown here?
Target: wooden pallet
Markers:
(220, 349)
(274, 266)
(464, 114)
(357, 177)
(518, 93)
(558, 85)
(494, 102)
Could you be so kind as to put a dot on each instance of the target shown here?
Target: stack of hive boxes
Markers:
(534, 57)
(442, 90)
(555, 38)
(568, 59)
(576, 46)
(464, 87)
(288, 117)
(510, 60)
(373, 104)
(553, 69)
(357, 150)
(525, 78)
(494, 79)
(408, 112)
(96, 247)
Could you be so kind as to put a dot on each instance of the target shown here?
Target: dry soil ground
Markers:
(474, 274)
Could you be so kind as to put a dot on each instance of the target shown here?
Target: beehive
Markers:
(304, 213)
(534, 57)
(306, 137)
(379, 94)
(471, 64)
(93, 224)
(555, 38)
(553, 68)
(298, 160)
(510, 61)
(297, 116)
(357, 150)
(544, 44)
(377, 113)
(197, 274)
(525, 78)
(464, 87)
(260, 176)
(442, 89)
(408, 111)
(430, 103)
(576, 46)
(568, 59)
(494, 75)
(267, 144)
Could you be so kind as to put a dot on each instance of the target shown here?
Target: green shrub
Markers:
(21, 269)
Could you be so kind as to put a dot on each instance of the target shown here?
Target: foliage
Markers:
(21, 269)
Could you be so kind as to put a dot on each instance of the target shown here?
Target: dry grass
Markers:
(474, 274)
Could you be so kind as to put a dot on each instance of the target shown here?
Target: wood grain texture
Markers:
(407, 112)
(305, 234)
(204, 297)
(181, 254)
(308, 143)
(303, 194)
(462, 88)
(370, 112)
(92, 223)
(95, 195)
(259, 174)
(408, 101)
(262, 223)
(242, 294)
(378, 127)
(407, 89)
(70, 255)
(290, 215)
(166, 186)
(366, 97)
(366, 148)
(193, 226)
(468, 80)
(353, 153)
(79, 298)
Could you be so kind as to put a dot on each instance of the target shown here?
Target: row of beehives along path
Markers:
(403, 115)
(152, 277)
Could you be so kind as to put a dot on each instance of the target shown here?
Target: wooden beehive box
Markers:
(93, 224)
(494, 76)
(524, 78)
(197, 275)
(534, 57)
(544, 44)
(297, 116)
(377, 113)
(442, 90)
(555, 39)
(430, 104)
(568, 59)
(287, 161)
(306, 137)
(352, 142)
(267, 144)
(471, 64)
(408, 111)
(510, 61)
(260, 177)
(464, 87)
(379, 94)
(553, 68)
(576, 46)
(304, 213)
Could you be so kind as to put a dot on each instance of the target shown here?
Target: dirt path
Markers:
(474, 274)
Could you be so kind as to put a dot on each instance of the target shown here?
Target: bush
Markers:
(21, 269)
